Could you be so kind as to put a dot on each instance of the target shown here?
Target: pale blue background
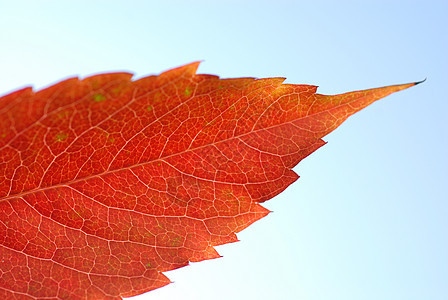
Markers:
(368, 218)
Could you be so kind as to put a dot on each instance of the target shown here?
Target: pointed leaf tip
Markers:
(421, 81)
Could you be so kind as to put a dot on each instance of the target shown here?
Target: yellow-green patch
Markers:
(176, 242)
(61, 136)
(3, 135)
(99, 98)
(149, 108)
(188, 91)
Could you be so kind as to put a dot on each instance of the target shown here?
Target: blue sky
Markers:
(368, 217)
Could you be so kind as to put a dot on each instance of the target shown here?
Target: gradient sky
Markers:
(368, 217)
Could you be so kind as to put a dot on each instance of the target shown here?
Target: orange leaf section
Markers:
(106, 182)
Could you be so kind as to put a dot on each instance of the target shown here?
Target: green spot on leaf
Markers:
(61, 136)
(149, 108)
(99, 98)
(188, 91)
(148, 265)
(175, 242)
(3, 135)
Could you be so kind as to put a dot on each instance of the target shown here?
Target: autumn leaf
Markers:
(106, 183)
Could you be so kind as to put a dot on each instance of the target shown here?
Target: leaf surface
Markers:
(105, 182)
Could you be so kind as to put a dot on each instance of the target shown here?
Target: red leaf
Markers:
(105, 183)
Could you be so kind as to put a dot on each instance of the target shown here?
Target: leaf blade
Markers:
(107, 182)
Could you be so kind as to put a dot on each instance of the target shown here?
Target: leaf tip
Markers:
(421, 81)
(396, 88)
